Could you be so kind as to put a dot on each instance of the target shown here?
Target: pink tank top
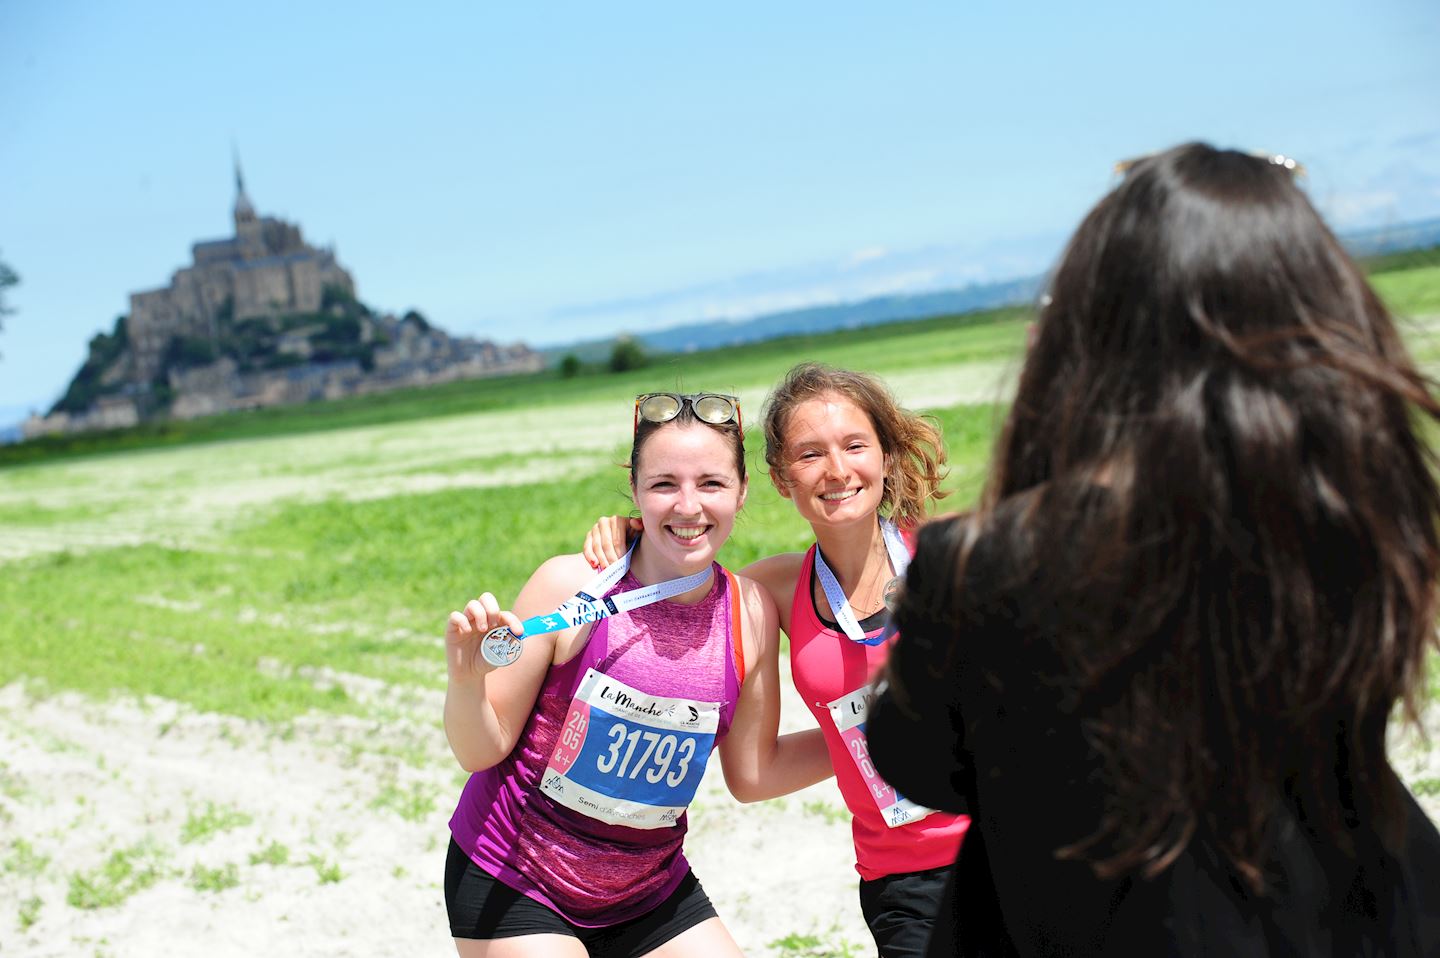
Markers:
(833, 674)
(597, 872)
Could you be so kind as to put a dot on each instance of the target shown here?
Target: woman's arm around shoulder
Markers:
(608, 539)
(777, 575)
(758, 762)
(486, 707)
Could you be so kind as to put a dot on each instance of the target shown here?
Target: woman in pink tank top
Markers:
(586, 747)
(863, 472)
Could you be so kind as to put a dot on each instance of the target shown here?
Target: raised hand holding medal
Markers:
(482, 628)
(500, 645)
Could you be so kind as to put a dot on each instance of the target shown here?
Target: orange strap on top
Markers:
(736, 629)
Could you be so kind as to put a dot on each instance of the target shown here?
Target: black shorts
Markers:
(901, 909)
(481, 906)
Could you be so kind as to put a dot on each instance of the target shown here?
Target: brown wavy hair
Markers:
(911, 441)
(1260, 592)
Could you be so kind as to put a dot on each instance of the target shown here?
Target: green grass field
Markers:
(1411, 293)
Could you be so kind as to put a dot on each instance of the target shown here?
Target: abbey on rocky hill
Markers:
(261, 318)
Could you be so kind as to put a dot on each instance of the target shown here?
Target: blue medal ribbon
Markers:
(840, 605)
(501, 647)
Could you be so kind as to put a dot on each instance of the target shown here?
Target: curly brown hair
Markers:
(911, 442)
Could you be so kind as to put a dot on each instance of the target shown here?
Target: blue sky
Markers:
(549, 172)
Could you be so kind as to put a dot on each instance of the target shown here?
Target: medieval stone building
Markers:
(265, 269)
(259, 319)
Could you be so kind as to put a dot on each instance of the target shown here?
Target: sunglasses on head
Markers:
(712, 408)
(1295, 167)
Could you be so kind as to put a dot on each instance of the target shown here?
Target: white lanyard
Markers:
(840, 606)
(501, 647)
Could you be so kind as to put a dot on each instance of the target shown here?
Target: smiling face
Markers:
(834, 467)
(688, 491)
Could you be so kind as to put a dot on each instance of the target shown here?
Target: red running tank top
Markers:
(828, 667)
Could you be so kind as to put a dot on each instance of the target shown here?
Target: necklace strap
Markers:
(844, 615)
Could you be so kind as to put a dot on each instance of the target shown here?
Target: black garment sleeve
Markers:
(915, 730)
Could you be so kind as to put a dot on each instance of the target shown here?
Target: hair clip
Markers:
(1280, 159)
(1294, 166)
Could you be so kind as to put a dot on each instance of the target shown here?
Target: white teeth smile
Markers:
(687, 532)
(838, 496)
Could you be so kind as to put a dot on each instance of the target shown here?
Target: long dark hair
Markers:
(1212, 358)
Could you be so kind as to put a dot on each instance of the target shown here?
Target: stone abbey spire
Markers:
(244, 209)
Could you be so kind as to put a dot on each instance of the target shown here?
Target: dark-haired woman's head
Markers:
(1211, 356)
(1204, 272)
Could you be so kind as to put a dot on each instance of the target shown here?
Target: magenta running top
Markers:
(592, 872)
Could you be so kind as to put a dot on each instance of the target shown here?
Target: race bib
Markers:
(849, 713)
(627, 757)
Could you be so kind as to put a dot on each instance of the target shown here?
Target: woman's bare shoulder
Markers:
(777, 573)
(557, 579)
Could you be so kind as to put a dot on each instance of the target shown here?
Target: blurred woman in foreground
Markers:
(1157, 664)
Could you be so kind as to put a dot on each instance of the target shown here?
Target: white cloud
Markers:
(865, 255)
(1361, 208)
(914, 281)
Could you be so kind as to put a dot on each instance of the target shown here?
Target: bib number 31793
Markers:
(657, 751)
(628, 757)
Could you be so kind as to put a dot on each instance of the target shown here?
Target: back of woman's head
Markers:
(912, 445)
(1212, 358)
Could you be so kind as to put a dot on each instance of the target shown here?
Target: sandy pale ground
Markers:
(359, 807)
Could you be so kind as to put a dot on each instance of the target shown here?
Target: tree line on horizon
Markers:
(8, 278)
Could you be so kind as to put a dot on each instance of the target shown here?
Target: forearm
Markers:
(472, 731)
(796, 760)
(487, 706)
(477, 735)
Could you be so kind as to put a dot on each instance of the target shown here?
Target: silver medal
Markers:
(892, 592)
(500, 647)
